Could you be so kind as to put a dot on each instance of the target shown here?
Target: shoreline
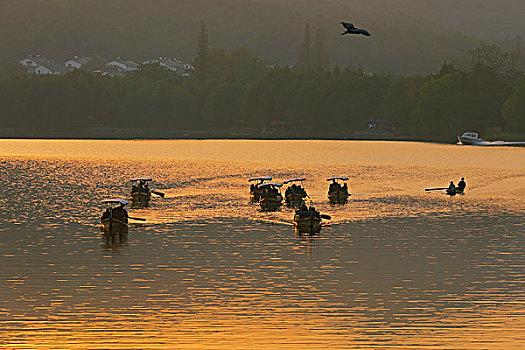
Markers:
(209, 137)
(156, 135)
(246, 138)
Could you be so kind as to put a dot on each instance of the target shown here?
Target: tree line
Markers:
(236, 93)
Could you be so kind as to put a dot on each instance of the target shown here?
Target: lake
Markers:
(396, 268)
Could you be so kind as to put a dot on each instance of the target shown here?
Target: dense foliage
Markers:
(236, 93)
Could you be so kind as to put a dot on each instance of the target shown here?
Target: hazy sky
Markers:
(485, 18)
(271, 29)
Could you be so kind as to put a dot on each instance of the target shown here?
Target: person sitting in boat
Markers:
(345, 188)
(303, 207)
(461, 185)
(106, 213)
(451, 190)
(120, 212)
(312, 209)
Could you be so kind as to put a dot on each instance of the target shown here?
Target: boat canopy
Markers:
(115, 201)
(344, 178)
(470, 134)
(141, 179)
(270, 184)
(299, 179)
(260, 178)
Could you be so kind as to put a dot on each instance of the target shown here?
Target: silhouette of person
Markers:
(451, 190)
(461, 185)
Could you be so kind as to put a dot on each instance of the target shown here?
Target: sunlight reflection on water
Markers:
(398, 268)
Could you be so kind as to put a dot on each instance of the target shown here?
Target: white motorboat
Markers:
(472, 138)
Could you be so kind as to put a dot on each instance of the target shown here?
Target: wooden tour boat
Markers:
(115, 218)
(140, 191)
(294, 194)
(307, 221)
(255, 190)
(337, 193)
(270, 198)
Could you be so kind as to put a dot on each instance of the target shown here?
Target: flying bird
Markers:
(351, 29)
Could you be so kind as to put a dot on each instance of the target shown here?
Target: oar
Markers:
(138, 219)
(158, 193)
(436, 189)
(327, 217)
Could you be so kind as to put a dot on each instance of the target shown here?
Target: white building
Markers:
(171, 64)
(124, 66)
(77, 62)
(29, 62)
(42, 65)
(110, 73)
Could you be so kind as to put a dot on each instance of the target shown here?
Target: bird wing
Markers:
(348, 25)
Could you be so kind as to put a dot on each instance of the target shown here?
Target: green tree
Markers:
(517, 53)
(492, 57)
(514, 109)
(401, 104)
(440, 105)
(201, 62)
(305, 55)
(321, 57)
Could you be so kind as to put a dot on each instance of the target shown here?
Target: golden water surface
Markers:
(397, 267)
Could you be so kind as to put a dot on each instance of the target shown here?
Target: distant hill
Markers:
(272, 30)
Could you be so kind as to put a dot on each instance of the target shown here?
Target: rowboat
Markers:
(452, 192)
(255, 191)
(140, 191)
(337, 193)
(294, 194)
(115, 218)
(270, 197)
(307, 221)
